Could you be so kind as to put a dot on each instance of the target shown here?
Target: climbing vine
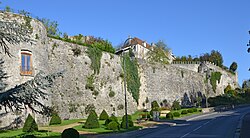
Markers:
(95, 56)
(132, 76)
(215, 76)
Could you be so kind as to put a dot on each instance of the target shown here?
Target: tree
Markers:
(51, 26)
(12, 32)
(159, 53)
(29, 94)
(92, 121)
(233, 67)
(30, 124)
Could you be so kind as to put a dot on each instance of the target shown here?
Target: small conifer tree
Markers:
(30, 124)
(92, 121)
(104, 115)
(55, 119)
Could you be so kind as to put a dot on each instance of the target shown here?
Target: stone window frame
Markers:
(23, 69)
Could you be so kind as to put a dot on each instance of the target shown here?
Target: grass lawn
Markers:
(103, 129)
(19, 133)
(68, 122)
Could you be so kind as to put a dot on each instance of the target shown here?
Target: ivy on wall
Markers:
(215, 76)
(132, 76)
(95, 56)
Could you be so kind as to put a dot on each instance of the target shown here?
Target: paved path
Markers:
(245, 127)
(215, 125)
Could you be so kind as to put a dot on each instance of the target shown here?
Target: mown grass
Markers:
(103, 128)
(19, 133)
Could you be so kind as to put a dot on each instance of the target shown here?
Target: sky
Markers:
(188, 27)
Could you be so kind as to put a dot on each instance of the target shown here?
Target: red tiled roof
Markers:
(136, 40)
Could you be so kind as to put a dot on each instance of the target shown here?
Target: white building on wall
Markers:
(139, 47)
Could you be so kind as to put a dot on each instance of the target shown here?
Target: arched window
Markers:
(26, 63)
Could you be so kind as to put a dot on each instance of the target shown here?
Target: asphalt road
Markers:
(214, 125)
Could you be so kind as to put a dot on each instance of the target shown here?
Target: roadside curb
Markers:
(237, 131)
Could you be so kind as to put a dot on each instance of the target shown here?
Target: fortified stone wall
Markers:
(70, 96)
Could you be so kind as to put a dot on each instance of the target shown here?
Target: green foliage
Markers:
(129, 117)
(227, 89)
(92, 121)
(183, 112)
(111, 93)
(95, 92)
(7, 9)
(104, 115)
(90, 83)
(132, 76)
(159, 53)
(95, 55)
(112, 118)
(27, 19)
(51, 26)
(194, 109)
(190, 110)
(227, 99)
(113, 125)
(76, 51)
(89, 108)
(130, 122)
(176, 114)
(215, 76)
(120, 107)
(154, 105)
(55, 119)
(70, 133)
(169, 116)
(176, 105)
(30, 125)
(233, 67)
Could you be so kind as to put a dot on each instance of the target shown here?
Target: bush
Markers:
(176, 114)
(112, 118)
(55, 119)
(28, 136)
(113, 125)
(129, 117)
(92, 121)
(104, 115)
(169, 116)
(183, 112)
(111, 94)
(176, 105)
(30, 125)
(190, 110)
(70, 133)
(195, 110)
(154, 105)
(130, 122)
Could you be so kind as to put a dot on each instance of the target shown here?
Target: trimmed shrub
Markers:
(104, 115)
(30, 124)
(55, 119)
(154, 109)
(154, 105)
(176, 114)
(176, 105)
(113, 125)
(129, 117)
(92, 121)
(130, 122)
(169, 116)
(195, 110)
(70, 133)
(112, 118)
(184, 112)
(190, 110)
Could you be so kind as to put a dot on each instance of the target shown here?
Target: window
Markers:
(26, 64)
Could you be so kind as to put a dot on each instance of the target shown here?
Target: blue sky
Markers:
(189, 27)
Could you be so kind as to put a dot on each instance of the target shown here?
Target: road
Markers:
(214, 125)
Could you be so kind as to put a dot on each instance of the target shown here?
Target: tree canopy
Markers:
(233, 67)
